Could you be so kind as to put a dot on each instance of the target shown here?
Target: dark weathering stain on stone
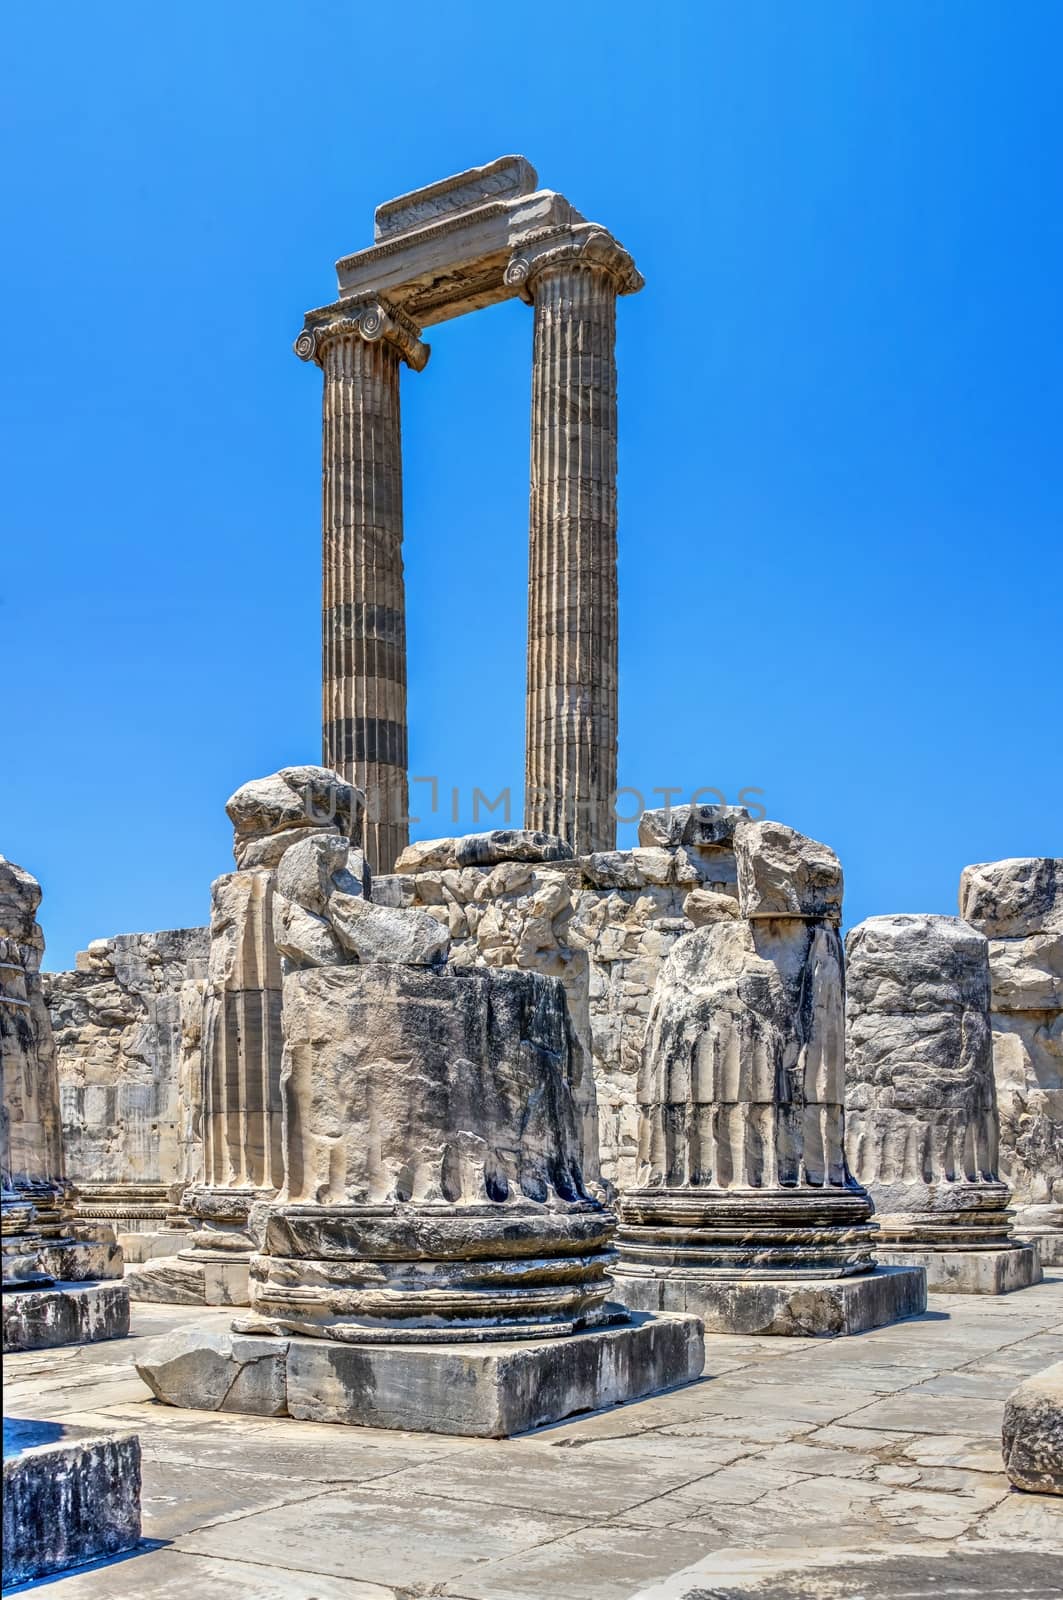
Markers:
(350, 739)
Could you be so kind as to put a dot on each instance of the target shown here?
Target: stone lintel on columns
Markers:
(372, 319)
(453, 262)
(506, 178)
(576, 244)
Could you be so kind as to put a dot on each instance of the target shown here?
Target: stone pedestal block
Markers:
(1014, 1266)
(1042, 1226)
(138, 1248)
(64, 1313)
(490, 1390)
(796, 1306)
(205, 1278)
(70, 1495)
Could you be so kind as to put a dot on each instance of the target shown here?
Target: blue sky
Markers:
(840, 402)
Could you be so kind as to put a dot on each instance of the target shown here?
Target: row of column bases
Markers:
(571, 720)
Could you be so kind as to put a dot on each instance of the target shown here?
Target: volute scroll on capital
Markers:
(581, 244)
(371, 320)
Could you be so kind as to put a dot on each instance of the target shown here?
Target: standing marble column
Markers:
(572, 278)
(363, 669)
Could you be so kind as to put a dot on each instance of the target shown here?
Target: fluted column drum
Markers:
(921, 1105)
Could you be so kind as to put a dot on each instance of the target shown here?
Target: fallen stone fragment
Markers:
(215, 1370)
(1032, 1438)
(483, 850)
(379, 933)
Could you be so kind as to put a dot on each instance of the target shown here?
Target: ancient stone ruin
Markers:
(433, 1192)
(1018, 905)
(128, 1115)
(745, 1212)
(475, 1134)
(61, 1281)
(923, 1132)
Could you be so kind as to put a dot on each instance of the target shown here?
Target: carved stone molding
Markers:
(580, 244)
(371, 320)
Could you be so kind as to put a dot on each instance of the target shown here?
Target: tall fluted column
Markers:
(363, 665)
(572, 279)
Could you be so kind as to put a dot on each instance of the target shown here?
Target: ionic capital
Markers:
(582, 244)
(371, 320)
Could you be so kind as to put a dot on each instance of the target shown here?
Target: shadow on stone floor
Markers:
(144, 1548)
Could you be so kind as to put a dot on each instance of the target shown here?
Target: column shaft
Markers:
(571, 727)
(242, 1038)
(363, 714)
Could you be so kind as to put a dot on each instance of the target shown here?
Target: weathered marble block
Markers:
(71, 1495)
(921, 1102)
(602, 923)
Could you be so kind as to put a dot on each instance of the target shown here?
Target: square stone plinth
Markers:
(150, 1245)
(195, 1279)
(797, 1306)
(972, 1271)
(70, 1495)
(1049, 1246)
(64, 1313)
(490, 1390)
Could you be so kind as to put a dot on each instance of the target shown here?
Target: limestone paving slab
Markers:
(403, 1539)
(657, 1495)
(172, 1574)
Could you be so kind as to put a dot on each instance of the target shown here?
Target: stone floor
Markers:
(846, 1469)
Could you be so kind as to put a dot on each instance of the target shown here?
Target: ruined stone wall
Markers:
(117, 1023)
(602, 923)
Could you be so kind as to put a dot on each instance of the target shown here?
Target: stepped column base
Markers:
(992, 1270)
(796, 1306)
(488, 1391)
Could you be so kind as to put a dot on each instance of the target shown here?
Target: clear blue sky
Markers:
(841, 402)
